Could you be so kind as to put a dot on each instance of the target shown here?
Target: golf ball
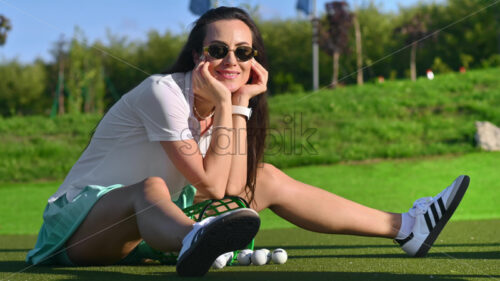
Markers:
(219, 262)
(222, 260)
(245, 256)
(259, 257)
(269, 255)
(279, 256)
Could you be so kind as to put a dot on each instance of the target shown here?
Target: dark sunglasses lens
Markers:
(244, 53)
(217, 51)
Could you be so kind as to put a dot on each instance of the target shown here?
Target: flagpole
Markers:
(315, 23)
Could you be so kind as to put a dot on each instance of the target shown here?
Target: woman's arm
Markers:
(210, 174)
(238, 174)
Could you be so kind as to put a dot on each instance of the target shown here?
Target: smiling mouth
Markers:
(228, 74)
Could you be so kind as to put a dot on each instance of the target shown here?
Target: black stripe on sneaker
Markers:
(428, 221)
(403, 241)
(452, 206)
(441, 206)
(435, 214)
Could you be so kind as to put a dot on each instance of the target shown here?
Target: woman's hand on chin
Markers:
(205, 85)
(258, 85)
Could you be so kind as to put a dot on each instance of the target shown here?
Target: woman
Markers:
(202, 124)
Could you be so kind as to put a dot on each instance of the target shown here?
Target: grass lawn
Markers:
(394, 185)
(388, 185)
(468, 249)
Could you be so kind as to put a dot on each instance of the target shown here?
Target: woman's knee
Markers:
(268, 178)
(153, 188)
(268, 173)
(154, 181)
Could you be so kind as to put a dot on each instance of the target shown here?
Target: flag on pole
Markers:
(199, 7)
(304, 6)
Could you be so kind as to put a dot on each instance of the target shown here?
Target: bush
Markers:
(22, 88)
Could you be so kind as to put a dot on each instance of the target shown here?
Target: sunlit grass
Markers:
(387, 185)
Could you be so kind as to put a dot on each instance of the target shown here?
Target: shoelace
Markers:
(420, 206)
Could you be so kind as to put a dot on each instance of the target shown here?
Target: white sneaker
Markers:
(214, 236)
(431, 215)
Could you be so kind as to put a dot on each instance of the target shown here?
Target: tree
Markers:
(121, 64)
(17, 97)
(414, 29)
(359, 51)
(376, 32)
(289, 53)
(85, 80)
(335, 38)
(475, 36)
(60, 54)
(5, 27)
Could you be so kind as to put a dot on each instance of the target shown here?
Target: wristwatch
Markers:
(242, 110)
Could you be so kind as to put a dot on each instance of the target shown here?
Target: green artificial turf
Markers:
(468, 249)
(388, 185)
(465, 250)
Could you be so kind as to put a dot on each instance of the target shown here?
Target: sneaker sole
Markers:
(233, 231)
(446, 217)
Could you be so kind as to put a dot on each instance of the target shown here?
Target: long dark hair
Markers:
(257, 125)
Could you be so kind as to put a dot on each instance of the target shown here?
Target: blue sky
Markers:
(38, 24)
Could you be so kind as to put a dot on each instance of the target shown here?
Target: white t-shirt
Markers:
(126, 149)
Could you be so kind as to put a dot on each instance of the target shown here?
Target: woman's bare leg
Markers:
(317, 210)
(121, 219)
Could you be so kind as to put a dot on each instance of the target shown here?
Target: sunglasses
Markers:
(220, 51)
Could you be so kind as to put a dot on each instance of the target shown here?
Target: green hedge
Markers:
(395, 119)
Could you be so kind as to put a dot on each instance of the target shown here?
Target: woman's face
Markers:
(229, 70)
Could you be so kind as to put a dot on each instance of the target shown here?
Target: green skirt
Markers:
(61, 219)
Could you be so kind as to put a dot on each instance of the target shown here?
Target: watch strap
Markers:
(242, 110)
